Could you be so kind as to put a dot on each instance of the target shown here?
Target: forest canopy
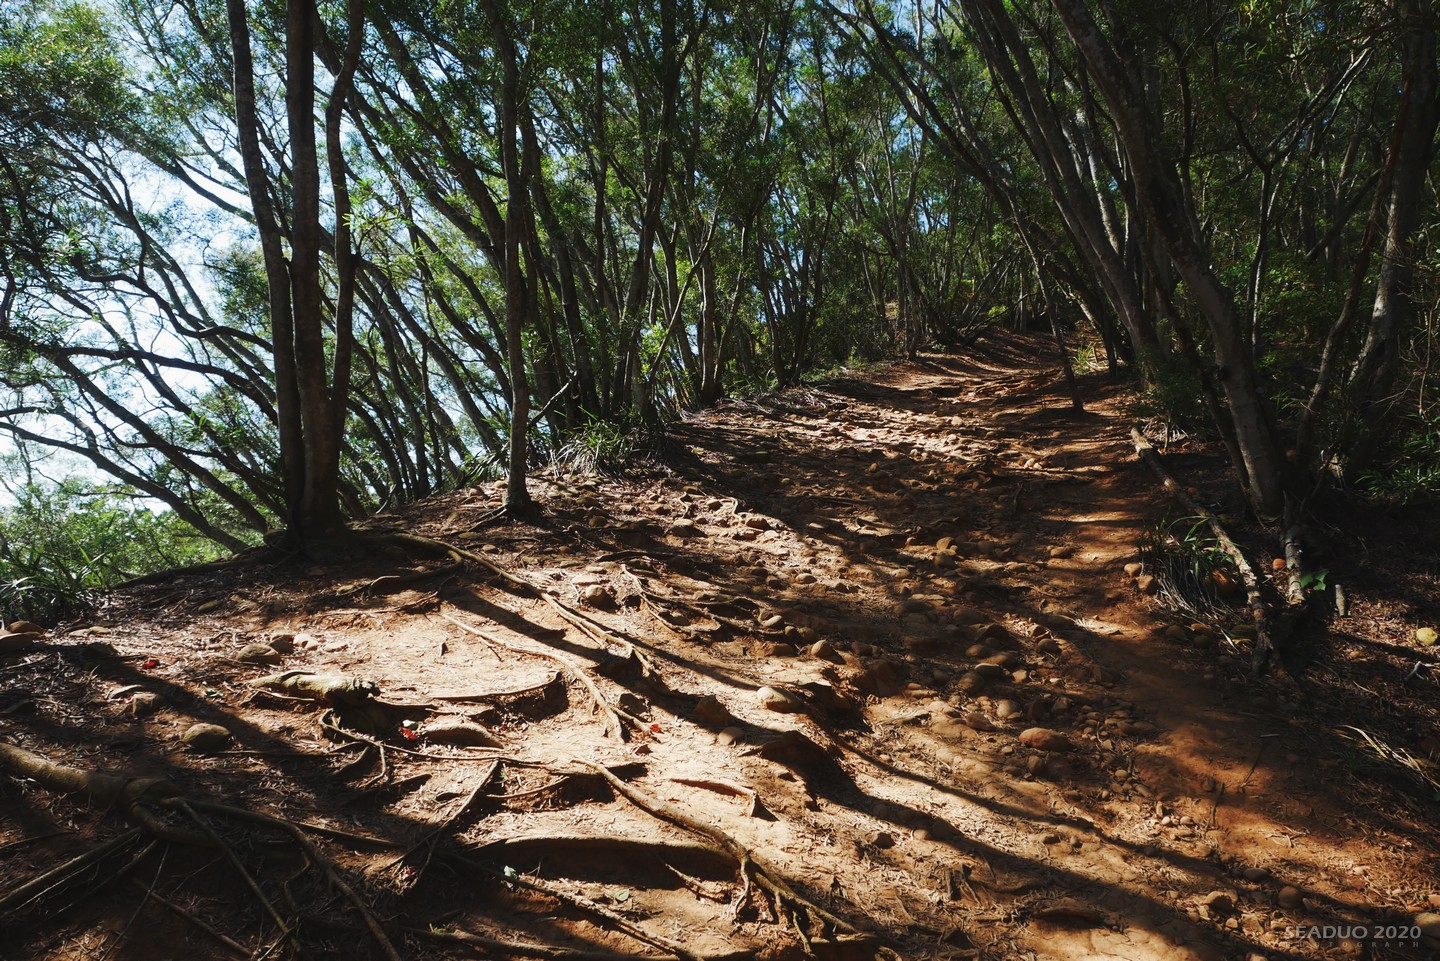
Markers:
(280, 265)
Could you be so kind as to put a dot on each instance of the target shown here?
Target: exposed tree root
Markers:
(585, 904)
(327, 688)
(432, 837)
(750, 863)
(135, 798)
(657, 610)
(601, 634)
(614, 725)
(139, 799)
(487, 696)
(458, 553)
(235, 862)
(235, 946)
(247, 557)
(327, 722)
(522, 949)
(316, 857)
(60, 875)
(389, 583)
(508, 849)
(1254, 597)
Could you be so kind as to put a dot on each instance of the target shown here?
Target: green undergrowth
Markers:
(61, 547)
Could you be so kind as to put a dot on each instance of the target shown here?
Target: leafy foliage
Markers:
(1410, 473)
(60, 546)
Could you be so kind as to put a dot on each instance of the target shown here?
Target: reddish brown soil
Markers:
(902, 518)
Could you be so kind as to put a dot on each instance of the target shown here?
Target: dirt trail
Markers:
(919, 565)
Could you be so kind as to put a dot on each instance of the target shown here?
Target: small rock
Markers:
(1051, 838)
(971, 682)
(924, 644)
(730, 736)
(782, 702)
(206, 738)
(1005, 707)
(997, 634)
(144, 703)
(597, 597)
(991, 672)
(1061, 550)
(1039, 709)
(1429, 924)
(1133, 569)
(1044, 739)
(334, 647)
(965, 616)
(756, 523)
(1036, 765)
(773, 622)
(684, 527)
(1290, 898)
(1255, 875)
(711, 714)
(1219, 902)
(782, 650)
(1425, 636)
(805, 577)
(822, 648)
(306, 642)
(12, 643)
(1146, 584)
(978, 651)
(283, 643)
(25, 627)
(257, 654)
(1007, 660)
(456, 731)
(976, 721)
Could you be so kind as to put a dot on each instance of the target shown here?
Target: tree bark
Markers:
(1373, 379)
(1158, 191)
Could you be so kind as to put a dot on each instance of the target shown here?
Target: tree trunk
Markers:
(1158, 191)
(1373, 379)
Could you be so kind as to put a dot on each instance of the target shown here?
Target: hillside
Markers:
(855, 670)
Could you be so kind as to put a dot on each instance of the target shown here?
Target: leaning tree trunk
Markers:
(1157, 189)
(1372, 381)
